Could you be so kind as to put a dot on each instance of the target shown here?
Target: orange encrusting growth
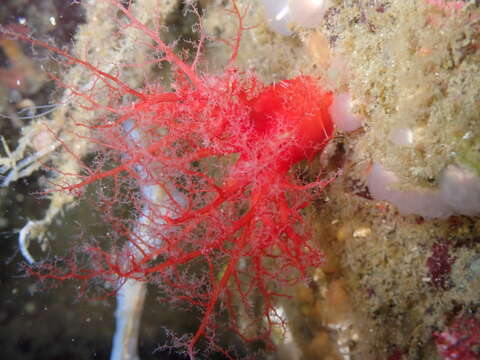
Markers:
(222, 149)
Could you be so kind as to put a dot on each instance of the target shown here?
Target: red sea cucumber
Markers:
(221, 148)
